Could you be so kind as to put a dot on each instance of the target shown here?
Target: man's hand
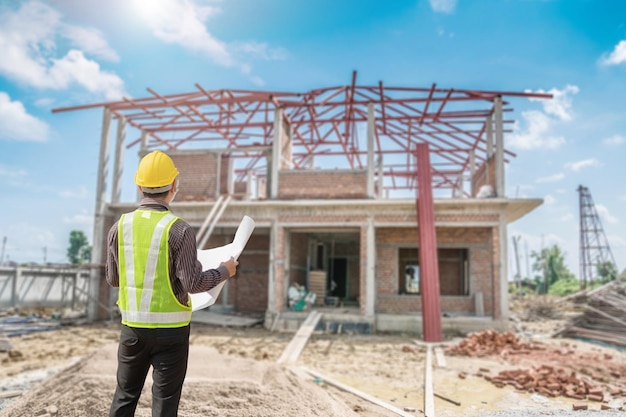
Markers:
(231, 265)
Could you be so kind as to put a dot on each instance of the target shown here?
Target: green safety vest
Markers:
(146, 298)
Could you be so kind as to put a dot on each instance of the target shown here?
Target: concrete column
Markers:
(230, 186)
(250, 181)
(218, 175)
(499, 184)
(143, 149)
(16, 277)
(380, 176)
(275, 159)
(489, 136)
(370, 269)
(504, 280)
(99, 234)
(371, 131)
(118, 163)
(271, 270)
(472, 165)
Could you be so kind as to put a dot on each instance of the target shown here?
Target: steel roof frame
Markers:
(325, 123)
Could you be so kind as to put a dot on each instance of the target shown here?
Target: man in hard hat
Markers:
(152, 258)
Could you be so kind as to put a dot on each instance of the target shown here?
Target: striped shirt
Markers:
(185, 269)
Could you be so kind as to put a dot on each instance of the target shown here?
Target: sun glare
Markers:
(150, 10)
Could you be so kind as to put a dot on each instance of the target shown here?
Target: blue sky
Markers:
(60, 53)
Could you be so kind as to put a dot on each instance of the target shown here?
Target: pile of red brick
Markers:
(551, 382)
(543, 379)
(491, 342)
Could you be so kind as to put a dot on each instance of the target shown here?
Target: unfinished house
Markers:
(344, 184)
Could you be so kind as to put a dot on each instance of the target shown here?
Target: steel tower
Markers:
(594, 246)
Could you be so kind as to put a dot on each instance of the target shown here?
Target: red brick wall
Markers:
(483, 277)
(299, 246)
(198, 175)
(248, 289)
(225, 173)
(324, 184)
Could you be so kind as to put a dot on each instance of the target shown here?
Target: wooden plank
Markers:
(429, 396)
(441, 359)
(295, 347)
(358, 393)
(10, 394)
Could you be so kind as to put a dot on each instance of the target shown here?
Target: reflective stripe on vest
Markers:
(143, 247)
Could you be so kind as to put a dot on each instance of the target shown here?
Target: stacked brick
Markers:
(545, 380)
(550, 382)
(491, 342)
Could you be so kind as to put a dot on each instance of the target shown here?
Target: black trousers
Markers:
(167, 351)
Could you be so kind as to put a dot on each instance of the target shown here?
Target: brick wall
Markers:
(248, 289)
(482, 275)
(326, 184)
(198, 175)
(299, 246)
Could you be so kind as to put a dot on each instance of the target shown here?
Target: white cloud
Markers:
(44, 102)
(548, 200)
(74, 67)
(28, 41)
(618, 56)
(552, 178)
(614, 140)
(538, 124)
(16, 124)
(183, 23)
(443, 6)
(91, 41)
(578, 165)
(561, 103)
(604, 213)
(536, 134)
(568, 217)
(260, 50)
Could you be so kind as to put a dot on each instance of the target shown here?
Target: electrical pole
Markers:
(4, 244)
(518, 275)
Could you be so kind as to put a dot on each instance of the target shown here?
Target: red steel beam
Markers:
(429, 269)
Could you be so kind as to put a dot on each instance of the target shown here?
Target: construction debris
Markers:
(17, 325)
(604, 316)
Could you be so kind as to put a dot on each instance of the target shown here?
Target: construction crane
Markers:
(594, 246)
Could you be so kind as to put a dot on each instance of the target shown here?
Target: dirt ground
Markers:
(233, 372)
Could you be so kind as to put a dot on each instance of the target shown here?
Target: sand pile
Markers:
(216, 385)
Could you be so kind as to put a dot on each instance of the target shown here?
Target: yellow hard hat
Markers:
(156, 172)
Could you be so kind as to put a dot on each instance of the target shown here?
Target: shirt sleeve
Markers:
(111, 266)
(188, 268)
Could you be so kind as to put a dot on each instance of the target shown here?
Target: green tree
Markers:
(550, 266)
(606, 271)
(79, 250)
